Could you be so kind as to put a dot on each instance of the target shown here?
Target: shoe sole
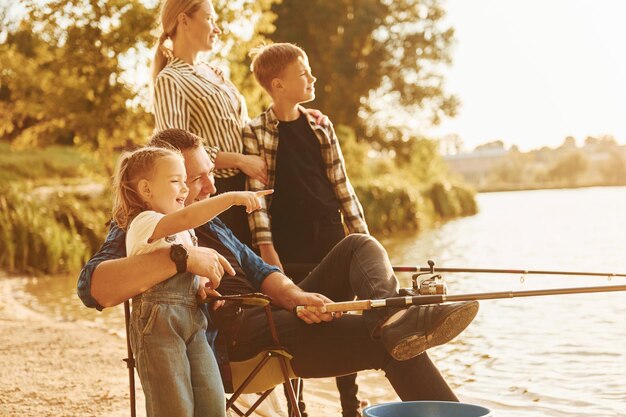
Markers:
(451, 326)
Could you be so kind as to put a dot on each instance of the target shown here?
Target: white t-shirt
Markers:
(142, 227)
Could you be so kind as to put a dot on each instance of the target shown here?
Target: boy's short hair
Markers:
(268, 61)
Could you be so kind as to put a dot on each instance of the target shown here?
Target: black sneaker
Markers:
(422, 327)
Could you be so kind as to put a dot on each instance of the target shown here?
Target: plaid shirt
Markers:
(260, 137)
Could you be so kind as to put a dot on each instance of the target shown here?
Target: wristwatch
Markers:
(179, 255)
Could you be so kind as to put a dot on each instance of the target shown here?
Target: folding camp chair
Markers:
(260, 374)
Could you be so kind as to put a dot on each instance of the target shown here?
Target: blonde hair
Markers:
(169, 22)
(268, 61)
(131, 168)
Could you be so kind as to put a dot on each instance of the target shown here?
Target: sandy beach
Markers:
(55, 367)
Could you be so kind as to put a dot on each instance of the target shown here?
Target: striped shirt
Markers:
(261, 138)
(185, 98)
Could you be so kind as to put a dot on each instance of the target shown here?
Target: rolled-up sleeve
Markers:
(350, 205)
(114, 247)
(255, 269)
(258, 220)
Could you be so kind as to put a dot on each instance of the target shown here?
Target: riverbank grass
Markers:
(48, 227)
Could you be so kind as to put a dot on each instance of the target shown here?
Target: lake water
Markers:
(543, 356)
(531, 357)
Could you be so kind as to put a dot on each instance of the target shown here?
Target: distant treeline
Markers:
(491, 167)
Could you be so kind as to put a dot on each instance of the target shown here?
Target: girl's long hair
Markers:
(169, 21)
(131, 168)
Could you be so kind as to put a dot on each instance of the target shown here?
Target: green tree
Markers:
(613, 170)
(244, 25)
(512, 170)
(607, 143)
(493, 145)
(568, 143)
(569, 167)
(61, 79)
(420, 160)
(64, 64)
(372, 57)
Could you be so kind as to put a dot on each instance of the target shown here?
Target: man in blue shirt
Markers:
(322, 344)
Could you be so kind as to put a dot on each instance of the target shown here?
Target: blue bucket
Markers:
(427, 409)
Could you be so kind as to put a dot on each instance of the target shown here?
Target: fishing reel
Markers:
(426, 283)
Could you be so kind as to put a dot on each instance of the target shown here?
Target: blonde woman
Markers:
(197, 97)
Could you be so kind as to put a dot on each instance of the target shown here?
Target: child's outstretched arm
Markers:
(196, 214)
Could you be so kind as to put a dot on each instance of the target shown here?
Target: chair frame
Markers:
(254, 299)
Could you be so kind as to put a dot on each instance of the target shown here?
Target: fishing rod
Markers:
(430, 288)
(360, 305)
(431, 283)
(430, 269)
(305, 268)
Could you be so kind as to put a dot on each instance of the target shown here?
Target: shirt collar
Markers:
(180, 65)
(272, 119)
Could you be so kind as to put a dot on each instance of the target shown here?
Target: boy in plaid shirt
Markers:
(313, 201)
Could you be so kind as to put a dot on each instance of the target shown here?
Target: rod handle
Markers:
(340, 306)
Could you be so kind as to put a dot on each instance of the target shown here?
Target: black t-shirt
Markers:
(302, 190)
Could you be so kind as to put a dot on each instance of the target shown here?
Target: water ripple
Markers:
(542, 356)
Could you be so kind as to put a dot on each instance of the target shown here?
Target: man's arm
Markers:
(259, 221)
(114, 247)
(118, 280)
(267, 278)
(109, 278)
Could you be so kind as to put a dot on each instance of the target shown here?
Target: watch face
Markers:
(178, 252)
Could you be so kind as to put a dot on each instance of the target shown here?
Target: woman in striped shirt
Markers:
(198, 98)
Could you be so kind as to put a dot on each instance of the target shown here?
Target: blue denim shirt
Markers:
(114, 247)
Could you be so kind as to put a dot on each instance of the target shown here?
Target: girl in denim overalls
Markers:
(176, 366)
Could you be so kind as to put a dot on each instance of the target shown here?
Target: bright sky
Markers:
(531, 72)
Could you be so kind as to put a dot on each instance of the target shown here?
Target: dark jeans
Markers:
(357, 266)
(235, 217)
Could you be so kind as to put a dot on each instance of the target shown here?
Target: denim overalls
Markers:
(177, 368)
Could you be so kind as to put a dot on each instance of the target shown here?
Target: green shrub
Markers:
(54, 162)
(87, 215)
(394, 205)
(467, 200)
(452, 201)
(54, 235)
(444, 200)
(390, 207)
